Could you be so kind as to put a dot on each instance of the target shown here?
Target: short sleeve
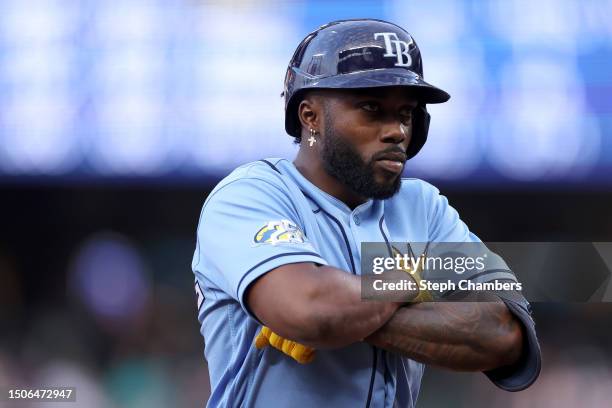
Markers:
(443, 220)
(248, 227)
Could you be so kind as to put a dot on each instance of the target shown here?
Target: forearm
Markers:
(460, 336)
(339, 315)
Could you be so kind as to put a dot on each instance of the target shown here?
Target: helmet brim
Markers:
(389, 77)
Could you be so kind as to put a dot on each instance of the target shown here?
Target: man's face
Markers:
(365, 137)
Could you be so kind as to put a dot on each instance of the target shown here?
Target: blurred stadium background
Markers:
(118, 118)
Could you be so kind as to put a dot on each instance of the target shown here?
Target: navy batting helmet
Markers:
(361, 53)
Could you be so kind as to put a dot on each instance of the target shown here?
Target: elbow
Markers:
(318, 328)
(315, 331)
(305, 320)
(325, 337)
(323, 325)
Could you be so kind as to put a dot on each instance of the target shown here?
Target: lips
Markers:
(392, 162)
(391, 166)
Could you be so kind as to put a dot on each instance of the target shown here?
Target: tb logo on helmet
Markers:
(394, 47)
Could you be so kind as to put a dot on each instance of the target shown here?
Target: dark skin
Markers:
(372, 126)
(325, 310)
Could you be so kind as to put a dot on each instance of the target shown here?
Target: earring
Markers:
(312, 140)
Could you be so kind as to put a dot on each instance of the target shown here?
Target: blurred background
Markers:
(118, 118)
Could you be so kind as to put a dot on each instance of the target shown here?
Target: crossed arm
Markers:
(321, 306)
(458, 336)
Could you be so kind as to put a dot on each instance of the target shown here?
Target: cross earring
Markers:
(311, 139)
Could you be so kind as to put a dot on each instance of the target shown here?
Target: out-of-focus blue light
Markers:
(545, 23)
(541, 131)
(37, 21)
(192, 88)
(435, 24)
(37, 136)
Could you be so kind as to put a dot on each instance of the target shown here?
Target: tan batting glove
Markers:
(299, 352)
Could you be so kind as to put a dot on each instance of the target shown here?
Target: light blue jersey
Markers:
(266, 214)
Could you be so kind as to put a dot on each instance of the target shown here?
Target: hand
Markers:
(300, 353)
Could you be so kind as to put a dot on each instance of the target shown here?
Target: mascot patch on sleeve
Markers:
(279, 232)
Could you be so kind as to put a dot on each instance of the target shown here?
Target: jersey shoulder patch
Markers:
(279, 232)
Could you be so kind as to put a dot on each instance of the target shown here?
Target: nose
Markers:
(396, 132)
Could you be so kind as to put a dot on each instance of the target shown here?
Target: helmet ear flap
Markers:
(420, 128)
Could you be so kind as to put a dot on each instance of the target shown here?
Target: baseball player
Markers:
(277, 260)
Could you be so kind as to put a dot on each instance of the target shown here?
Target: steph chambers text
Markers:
(444, 286)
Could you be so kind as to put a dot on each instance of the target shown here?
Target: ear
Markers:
(309, 113)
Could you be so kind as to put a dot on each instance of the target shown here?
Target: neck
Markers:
(311, 167)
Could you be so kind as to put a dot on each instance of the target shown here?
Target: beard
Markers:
(342, 161)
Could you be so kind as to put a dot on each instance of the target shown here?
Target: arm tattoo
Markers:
(466, 336)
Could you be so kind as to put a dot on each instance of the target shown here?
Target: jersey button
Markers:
(356, 219)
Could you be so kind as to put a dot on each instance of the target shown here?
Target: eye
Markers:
(406, 115)
(371, 107)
